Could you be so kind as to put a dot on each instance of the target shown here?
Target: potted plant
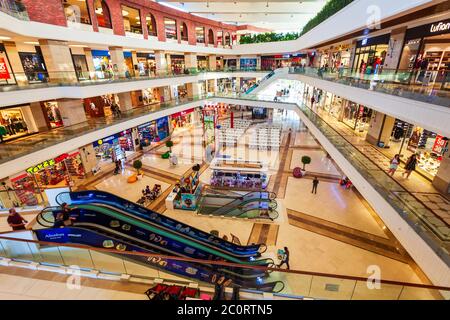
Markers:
(169, 144)
(137, 164)
(306, 160)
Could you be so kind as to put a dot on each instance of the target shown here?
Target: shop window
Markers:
(102, 14)
(170, 27)
(219, 38)
(227, 40)
(184, 32)
(151, 25)
(131, 20)
(76, 11)
(210, 37)
(200, 34)
(51, 109)
(12, 123)
(33, 65)
(81, 67)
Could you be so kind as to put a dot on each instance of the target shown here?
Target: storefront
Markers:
(16, 122)
(370, 54)
(182, 119)
(6, 73)
(259, 113)
(102, 64)
(230, 64)
(281, 61)
(151, 95)
(81, 66)
(53, 115)
(427, 50)
(177, 64)
(226, 84)
(202, 63)
(153, 131)
(60, 171)
(34, 66)
(247, 83)
(128, 62)
(248, 64)
(407, 139)
(115, 147)
(146, 64)
(179, 92)
(357, 116)
(98, 107)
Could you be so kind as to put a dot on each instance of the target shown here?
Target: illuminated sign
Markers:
(439, 144)
(440, 27)
(47, 163)
(4, 73)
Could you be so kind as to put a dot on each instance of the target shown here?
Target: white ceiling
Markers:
(277, 15)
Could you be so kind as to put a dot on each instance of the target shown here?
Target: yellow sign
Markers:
(42, 165)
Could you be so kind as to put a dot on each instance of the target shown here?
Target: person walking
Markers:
(394, 164)
(315, 184)
(285, 259)
(312, 102)
(410, 165)
(15, 220)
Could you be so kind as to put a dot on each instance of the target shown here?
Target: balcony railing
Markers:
(298, 284)
(14, 8)
(421, 85)
(45, 79)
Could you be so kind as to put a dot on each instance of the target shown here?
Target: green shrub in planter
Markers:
(306, 160)
(137, 164)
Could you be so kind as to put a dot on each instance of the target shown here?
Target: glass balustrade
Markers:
(292, 284)
(421, 85)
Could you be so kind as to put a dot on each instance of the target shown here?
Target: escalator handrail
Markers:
(155, 228)
(220, 240)
(86, 225)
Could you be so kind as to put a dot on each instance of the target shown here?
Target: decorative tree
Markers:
(306, 160)
(169, 144)
(137, 164)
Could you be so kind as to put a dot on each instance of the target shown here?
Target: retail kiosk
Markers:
(239, 174)
(186, 193)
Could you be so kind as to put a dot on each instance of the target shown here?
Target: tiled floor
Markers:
(310, 251)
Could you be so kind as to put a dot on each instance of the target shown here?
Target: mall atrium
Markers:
(224, 150)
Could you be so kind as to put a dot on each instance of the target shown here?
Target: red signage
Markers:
(439, 144)
(4, 73)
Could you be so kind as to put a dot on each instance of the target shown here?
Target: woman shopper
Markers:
(394, 164)
(410, 166)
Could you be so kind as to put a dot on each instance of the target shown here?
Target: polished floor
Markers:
(312, 249)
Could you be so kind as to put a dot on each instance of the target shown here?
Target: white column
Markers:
(58, 60)
(15, 63)
(118, 61)
(161, 62)
(125, 102)
(72, 111)
(190, 61)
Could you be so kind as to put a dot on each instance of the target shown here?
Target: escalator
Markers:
(252, 205)
(122, 241)
(101, 198)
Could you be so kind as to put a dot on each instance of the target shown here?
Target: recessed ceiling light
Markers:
(77, 45)
(32, 42)
(4, 38)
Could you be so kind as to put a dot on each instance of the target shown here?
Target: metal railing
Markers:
(45, 79)
(298, 282)
(422, 85)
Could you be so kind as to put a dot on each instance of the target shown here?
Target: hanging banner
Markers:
(4, 73)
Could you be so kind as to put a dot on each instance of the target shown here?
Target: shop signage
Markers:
(4, 73)
(182, 113)
(440, 27)
(105, 140)
(47, 163)
(439, 144)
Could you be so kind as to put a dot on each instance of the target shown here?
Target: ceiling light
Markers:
(125, 13)
(4, 38)
(32, 42)
(77, 45)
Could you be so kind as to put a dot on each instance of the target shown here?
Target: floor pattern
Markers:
(346, 234)
(264, 233)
